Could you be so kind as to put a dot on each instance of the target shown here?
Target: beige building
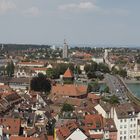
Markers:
(134, 72)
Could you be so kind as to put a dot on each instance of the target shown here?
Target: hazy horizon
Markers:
(80, 22)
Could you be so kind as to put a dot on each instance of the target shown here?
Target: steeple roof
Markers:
(68, 74)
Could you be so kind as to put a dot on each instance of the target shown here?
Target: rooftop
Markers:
(125, 110)
(11, 126)
(68, 74)
(69, 90)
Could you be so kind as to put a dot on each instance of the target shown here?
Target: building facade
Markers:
(65, 50)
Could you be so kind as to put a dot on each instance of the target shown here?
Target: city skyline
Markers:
(80, 22)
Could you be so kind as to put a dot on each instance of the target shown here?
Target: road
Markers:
(116, 87)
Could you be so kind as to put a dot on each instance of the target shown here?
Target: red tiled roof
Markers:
(50, 138)
(96, 136)
(68, 74)
(4, 87)
(94, 121)
(31, 63)
(11, 126)
(66, 129)
(93, 96)
(69, 90)
(23, 138)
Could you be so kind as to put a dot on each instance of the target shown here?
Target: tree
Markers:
(50, 73)
(114, 100)
(60, 69)
(91, 67)
(114, 70)
(67, 107)
(93, 87)
(103, 68)
(122, 73)
(87, 68)
(10, 68)
(106, 90)
(91, 75)
(94, 66)
(40, 83)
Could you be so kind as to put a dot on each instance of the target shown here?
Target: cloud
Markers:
(79, 6)
(92, 6)
(33, 12)
(6, 5)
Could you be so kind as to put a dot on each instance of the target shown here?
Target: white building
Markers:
(77, 135)
(103, 109)
(40, 70)
(134, 72)
(30, 64)
(98, 60)
(125, 118)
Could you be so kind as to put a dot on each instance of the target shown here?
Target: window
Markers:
(124, 132)
(131, 125)
(134, 125)
(134, 119)
(121, 120)
(120, 138)
(124, 137)
(125, 126)
(131, 119)
(130, 137)
(120, 132)
(124, 120)
(134, 136)
(120, 126)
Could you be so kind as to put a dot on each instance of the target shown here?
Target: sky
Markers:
(77, 21)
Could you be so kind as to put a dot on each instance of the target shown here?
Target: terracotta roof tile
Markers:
(94, 121)
(11, 126)
(97, 136)
(50, 138)
(93, 96)
(31, 63)
(69, 90)
(68, 74)
(23, 138)
(66, 129)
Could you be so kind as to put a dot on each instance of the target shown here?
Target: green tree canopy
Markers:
(40, 83)
(91, 67)
(103, 68)
(67, 107)
(106, 90)
(10, 68)
(93, 87)
(122, 73)
(114, 100)
(114, 70)
(50, 73)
